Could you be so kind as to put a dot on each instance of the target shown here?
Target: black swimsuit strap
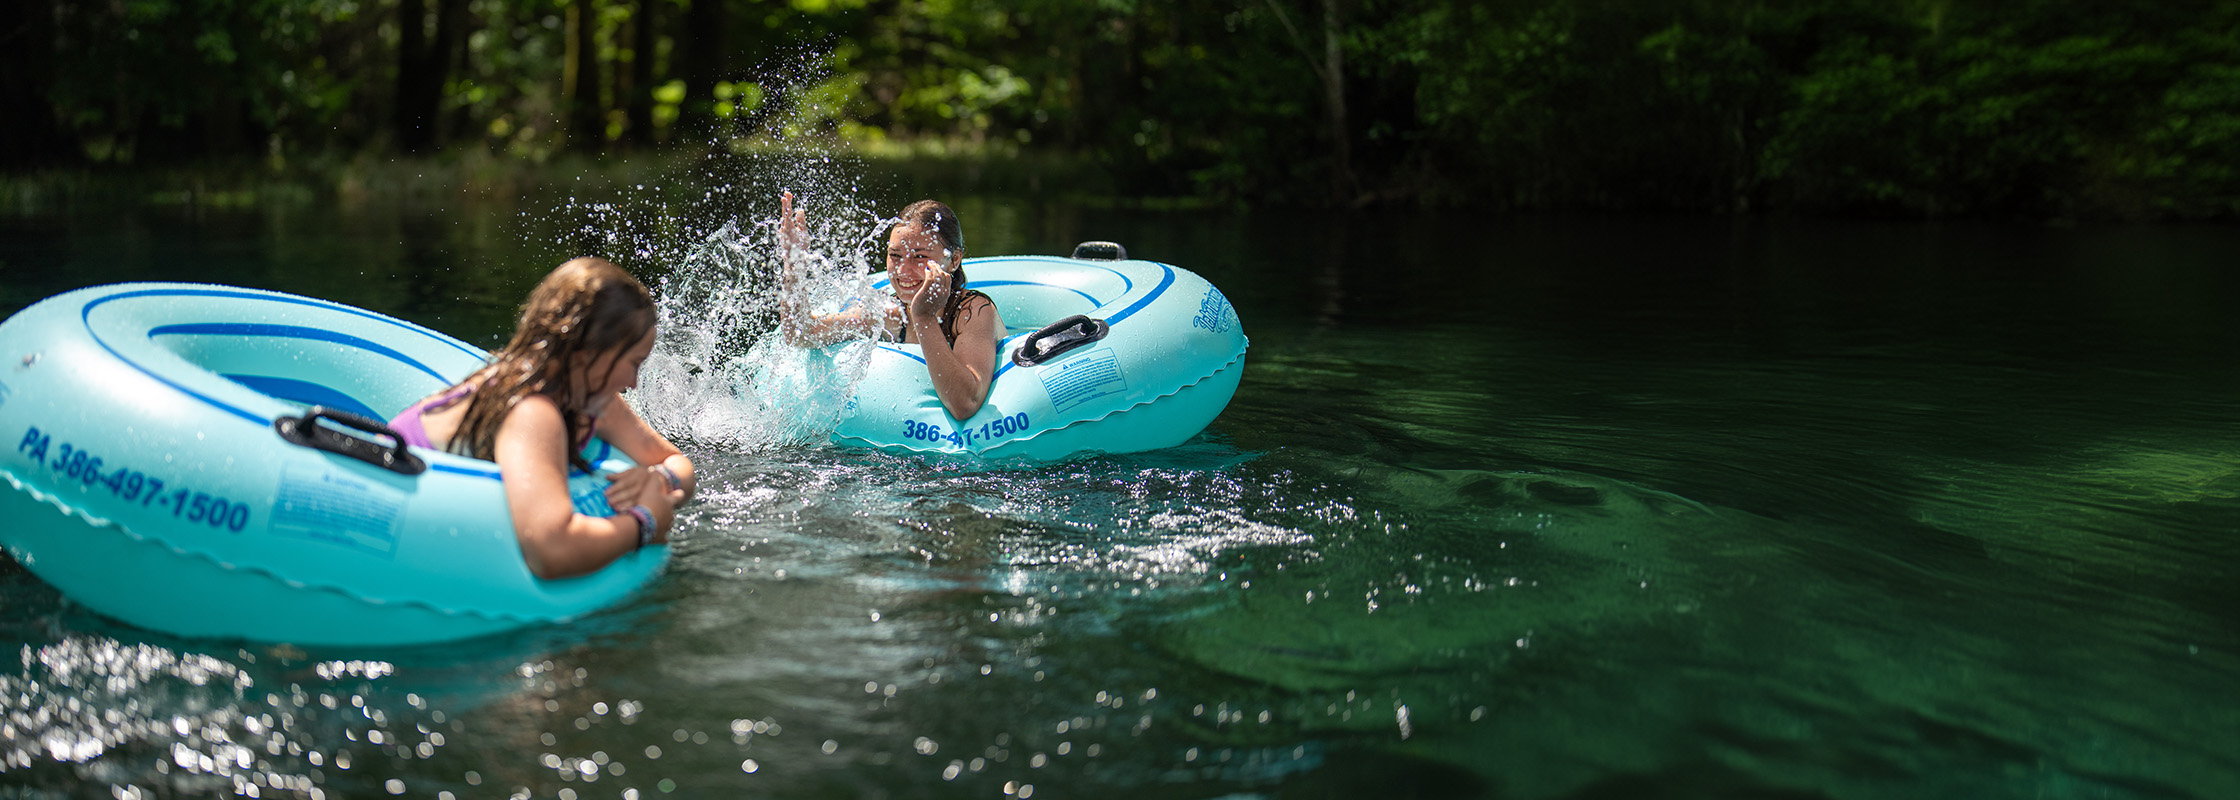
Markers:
(949, 321)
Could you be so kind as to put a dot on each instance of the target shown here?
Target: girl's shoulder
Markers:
(536, 411)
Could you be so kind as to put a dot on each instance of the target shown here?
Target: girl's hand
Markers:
(793, 247)
(643, 486)
(932, 295)
(624, 487)
(793, 226)
(793, 242)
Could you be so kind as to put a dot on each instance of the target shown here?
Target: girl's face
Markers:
(912, 252)
(618, 370)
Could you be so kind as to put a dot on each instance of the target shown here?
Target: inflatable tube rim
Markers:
(997, 452)
(453, 464)
(1130, 300)
(67, 509)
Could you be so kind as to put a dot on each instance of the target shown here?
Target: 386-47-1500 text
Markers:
(76, 465)
(1003, 426)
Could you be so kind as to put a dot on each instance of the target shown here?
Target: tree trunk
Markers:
(701, 43)
(423, 66)
(587, 128)
(640, 106)
(1342, 183)
(412, 63)
(455, 28)
(447, 53)
(27, 54)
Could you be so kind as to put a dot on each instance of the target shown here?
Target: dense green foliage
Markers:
(2039, 108)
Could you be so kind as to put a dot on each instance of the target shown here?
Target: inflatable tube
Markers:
(150, 473)
(1151, 354)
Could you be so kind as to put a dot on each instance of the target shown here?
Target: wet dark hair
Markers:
(587, 305)
(938, 217)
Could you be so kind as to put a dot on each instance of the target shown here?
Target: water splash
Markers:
(721, 372)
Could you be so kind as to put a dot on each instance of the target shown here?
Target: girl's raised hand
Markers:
(793, 226)
(932, 295)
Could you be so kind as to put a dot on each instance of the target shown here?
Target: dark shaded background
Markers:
(2038, 109)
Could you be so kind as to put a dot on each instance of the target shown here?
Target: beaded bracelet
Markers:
(675, 484)
(645, 524)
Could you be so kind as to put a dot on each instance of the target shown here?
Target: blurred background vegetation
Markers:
(2043, 109)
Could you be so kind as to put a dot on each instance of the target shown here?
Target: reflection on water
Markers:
(1612, 508)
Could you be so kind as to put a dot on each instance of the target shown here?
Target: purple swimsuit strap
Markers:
(590, 424)
(411, 428)
(414, 431)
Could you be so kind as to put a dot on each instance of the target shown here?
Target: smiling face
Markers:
(912, 252)
(603, 375)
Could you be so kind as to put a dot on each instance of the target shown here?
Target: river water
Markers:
(1515, 507)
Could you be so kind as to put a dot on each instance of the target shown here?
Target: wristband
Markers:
(644, 516)
(675, 484)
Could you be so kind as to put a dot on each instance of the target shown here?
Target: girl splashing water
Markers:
(958, 328)
(584, 332)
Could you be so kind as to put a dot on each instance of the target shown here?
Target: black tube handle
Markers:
(1058, 337)
(307, 432)
(1100, 251)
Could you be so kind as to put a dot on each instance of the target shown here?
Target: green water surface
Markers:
(1604, 507)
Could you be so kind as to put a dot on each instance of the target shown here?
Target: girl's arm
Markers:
(622, 427)
(557, 542)
(961, 373)
(801, 326)
(805, 328)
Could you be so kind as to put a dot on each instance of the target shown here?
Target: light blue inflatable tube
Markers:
(1167, 366)
(145, 477)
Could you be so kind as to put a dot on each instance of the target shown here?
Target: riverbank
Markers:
(479, 177)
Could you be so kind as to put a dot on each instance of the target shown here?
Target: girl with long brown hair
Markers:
(584, 332)
(957, 328)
